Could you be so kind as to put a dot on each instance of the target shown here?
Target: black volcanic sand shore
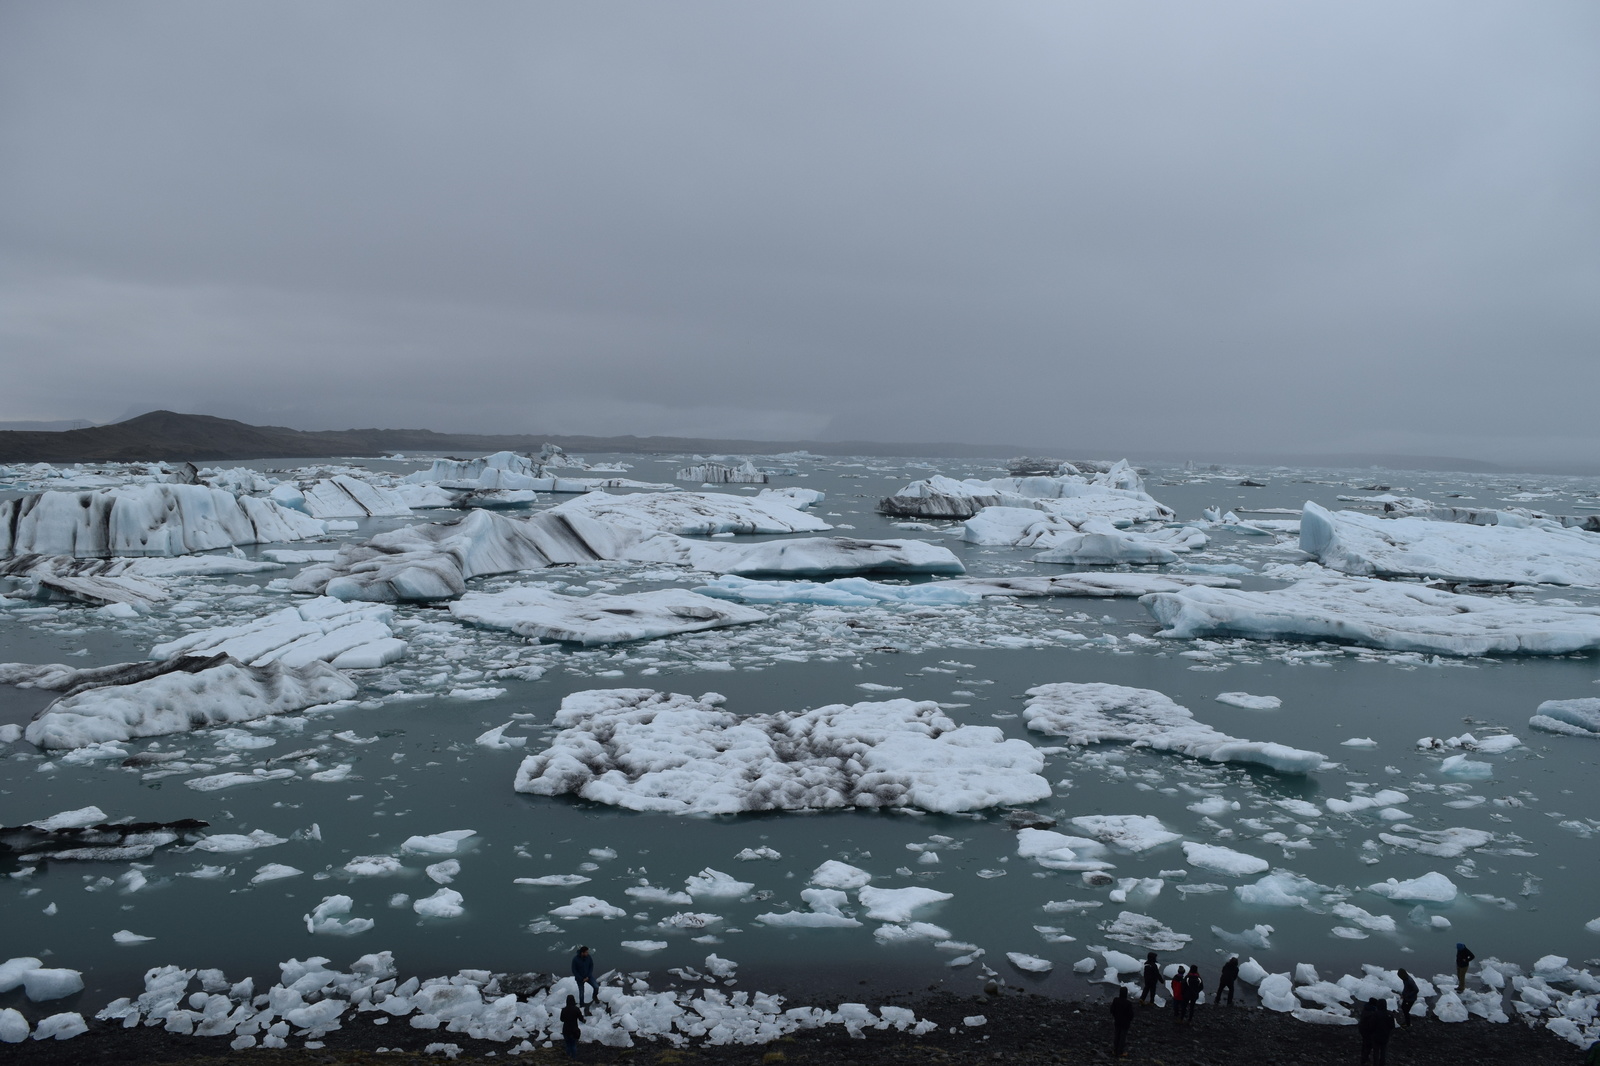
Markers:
(1021, 1028)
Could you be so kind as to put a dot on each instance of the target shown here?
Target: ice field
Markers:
(762, 735)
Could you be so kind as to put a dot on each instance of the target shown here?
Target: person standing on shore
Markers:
(1463, 960)
(1230, 974)
(1192, 987)
(1374, 1025)
(571, 1017)
(1177, 995)
(1408, 997)
(1152, 979)
(1121, 1018)
(583, 973)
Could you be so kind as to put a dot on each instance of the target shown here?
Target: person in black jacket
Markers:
(1121, 1018)
(1230, 974)
(583, 972)
(1408, 997)
(1463, 960)
(1192, 987)
(1374, 1025)
(571, 1017)
(1152, 981)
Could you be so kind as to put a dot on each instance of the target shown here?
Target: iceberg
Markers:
(861, 592)
(1133, 832)
(1112, 548)
(1117, 494)
(650, 751)
(718, 474)
(1223, 860)
(1368, 546)
(1429, 888)
(1378, 614)
(324, 629)
(145, 520)
(1573, 718)
(693, 513)
(190, 692)
(1097, 713)
(341, 496)
(541, 614)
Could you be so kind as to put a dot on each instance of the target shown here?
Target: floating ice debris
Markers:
(1096, 713)
(274, 871)
(188, 693)
(1133, 832)
(1111, 547)
(1573, 718)
(763, 852)
(841, 592)
(839, 875)
(1381, 923)
(442, 873)
(126, 936)
(1223, 860)
(496, 738)
(586, 907)
(1492, 745)
(1249, 702)
(1433, 887)
(325, 918)
(1145, 931)
(899, 904)
(346, 635)
(553, 880)
(1522, 553)
(145, 520)
(1057, 851)
(541, 614)
(692, 513)
(1280, 888)
(714, 884)
(1358, 742)
(1117, 494)
(81, 818)
(341, 496)
(1029, 963)
(643, 947)
(1379, 614)
(445, 903)
(793, 496)
(437, 843)
(1461, 766)
(1257, 936)
(646, 750)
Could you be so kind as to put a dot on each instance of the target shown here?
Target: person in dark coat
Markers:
(1192, 987)
(1374, 1025)
(1152, 980)
(1408, 997)
(1230, 974)
(1177, 995)
(571, 1017)
(1463, 960)
(583, 973)
(1121, 1018)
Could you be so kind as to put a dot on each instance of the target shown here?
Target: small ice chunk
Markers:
(445, 903)
(1249, 702)
(898, 904)
(438, 843)
(836, 874)
(1433, 887)
(125, 936)
(588, 907)
(274, 871)
(1223, 860)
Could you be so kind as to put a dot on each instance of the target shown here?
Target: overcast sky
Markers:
(1096, 227)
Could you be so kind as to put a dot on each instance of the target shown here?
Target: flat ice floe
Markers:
(1117, 494)
(1368, 546)
(542, 614)
(341, 496)
(1095, 713)
(694, 513)
(650, 751)
(190, 693)
(145, 520)
(1574, 718)
(862, 592)
(350, 636)
(1379, 614)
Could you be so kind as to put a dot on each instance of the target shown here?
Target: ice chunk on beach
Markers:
(1368, 546)
(650, 751)
(145, 520)
(13, 1026)
(323, 629)
(1223, 860)
(42, 984)
(1096, 713)
(1433, 887)
(541, 614)
(1573, 718)
(1379, 614)
(1132, 832)
(192, 693)
(62, 1026)
(692, 513)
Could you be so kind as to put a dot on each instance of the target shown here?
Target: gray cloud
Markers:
(1108, 227)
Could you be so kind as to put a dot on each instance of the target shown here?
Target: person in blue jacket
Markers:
(583, 973)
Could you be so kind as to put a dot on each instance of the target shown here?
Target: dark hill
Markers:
(171, 437)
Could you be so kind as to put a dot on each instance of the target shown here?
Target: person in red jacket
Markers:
(1178, 995)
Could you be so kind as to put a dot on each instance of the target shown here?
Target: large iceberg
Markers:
(1574, 718)
(718, 474)
(1093, 541)
(1368, 546)
(347, 635)
(1117, 494)
(1095, 713)
(191, 693)
(693, 513)
(516, 473)
(1379, 614)
(542, 614)
(145, 520)
(341, 496)
(651, 751)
